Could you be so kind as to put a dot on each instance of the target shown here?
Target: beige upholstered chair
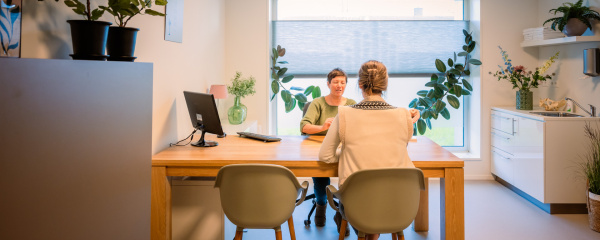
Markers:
(259, 196)
(379, 200)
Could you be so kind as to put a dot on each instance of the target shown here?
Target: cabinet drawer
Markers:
(503, 122)
(502, 141)
(502, 165)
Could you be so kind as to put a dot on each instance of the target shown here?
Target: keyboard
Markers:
(257, 136)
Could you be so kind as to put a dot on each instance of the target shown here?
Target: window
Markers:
(405, 35)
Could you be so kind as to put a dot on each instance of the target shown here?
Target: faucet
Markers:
(592, 107)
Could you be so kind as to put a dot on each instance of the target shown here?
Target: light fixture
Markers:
(219, 91)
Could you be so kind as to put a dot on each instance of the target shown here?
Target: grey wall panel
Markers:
(75, 149)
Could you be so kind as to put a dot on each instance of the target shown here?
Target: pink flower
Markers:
(519, 68)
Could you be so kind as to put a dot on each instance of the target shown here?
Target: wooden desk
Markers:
(300, 154)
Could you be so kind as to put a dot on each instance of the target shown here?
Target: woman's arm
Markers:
(312, 129)
(328, 152)
(309, 120)
(414, 114)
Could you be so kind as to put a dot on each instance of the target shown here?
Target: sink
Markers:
(556, 114)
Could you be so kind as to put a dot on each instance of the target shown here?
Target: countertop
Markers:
(528, 114)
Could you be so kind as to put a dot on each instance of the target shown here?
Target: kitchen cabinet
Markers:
(539, 157)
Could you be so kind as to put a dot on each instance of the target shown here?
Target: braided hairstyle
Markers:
(373, 77)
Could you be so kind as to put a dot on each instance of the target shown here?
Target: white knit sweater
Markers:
(372, 135)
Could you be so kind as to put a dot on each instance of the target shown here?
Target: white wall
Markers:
(570, 80)
(501, 24)
(247, 48)
(192, 65)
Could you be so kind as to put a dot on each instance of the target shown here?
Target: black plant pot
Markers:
(121, 43)
(89, 39)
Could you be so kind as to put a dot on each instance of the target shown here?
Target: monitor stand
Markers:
(204, 143)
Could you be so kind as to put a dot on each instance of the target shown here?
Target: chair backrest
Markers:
(305, 108)
(257, 195)
(382, 200)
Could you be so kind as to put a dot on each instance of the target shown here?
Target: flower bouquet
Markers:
(524, 80)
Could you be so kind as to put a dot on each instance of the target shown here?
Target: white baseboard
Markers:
(471, 178)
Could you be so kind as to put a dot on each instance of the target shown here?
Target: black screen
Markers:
(203, 112)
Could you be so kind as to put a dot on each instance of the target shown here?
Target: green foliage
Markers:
(570, 10)
(448, 85)
(295, 96)
(591, 164)
(124, 10)
(241, 87)
(84, 10)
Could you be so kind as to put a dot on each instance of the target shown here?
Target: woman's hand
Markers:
(327, 124)
(414, 114)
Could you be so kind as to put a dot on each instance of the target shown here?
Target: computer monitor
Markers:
(204, 116)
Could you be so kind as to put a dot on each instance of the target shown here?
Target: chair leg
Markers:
(291, 227)
(278, 234)
(394, 236)
(400, 235)
(343, 229)
(238, 233)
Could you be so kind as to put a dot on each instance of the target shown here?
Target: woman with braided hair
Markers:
(373, 133)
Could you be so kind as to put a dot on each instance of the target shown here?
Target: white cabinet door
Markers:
(528, 158)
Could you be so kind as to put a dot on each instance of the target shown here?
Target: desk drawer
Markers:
(503, 122)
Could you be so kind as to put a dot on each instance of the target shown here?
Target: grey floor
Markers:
(491, 212)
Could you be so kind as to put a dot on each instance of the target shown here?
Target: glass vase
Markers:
(524, 100)
(237, 113)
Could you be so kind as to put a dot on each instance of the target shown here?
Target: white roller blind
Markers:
(405, 47)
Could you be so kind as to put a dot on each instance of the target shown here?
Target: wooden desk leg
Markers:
(160, 227)
(452, 204)
(421, 223)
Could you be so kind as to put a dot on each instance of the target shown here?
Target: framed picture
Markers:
(10, 28)
(174, 21)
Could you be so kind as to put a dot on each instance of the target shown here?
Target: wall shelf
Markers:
(559, 41)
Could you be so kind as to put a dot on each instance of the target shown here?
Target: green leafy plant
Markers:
(124, 10)
(9, 14)
(84, 10)
(449, 85)
(591, 164)
(570, 10)
(294, 94)
(519, 77)
(241, 87)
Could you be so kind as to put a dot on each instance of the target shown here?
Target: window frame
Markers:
(466, 106)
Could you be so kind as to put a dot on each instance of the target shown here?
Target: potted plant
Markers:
(278, 78)
(121, 39)
(240, 87)
(450, 84)
(575, 20)
(88, 35)
(524, 80)
(591, 169)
